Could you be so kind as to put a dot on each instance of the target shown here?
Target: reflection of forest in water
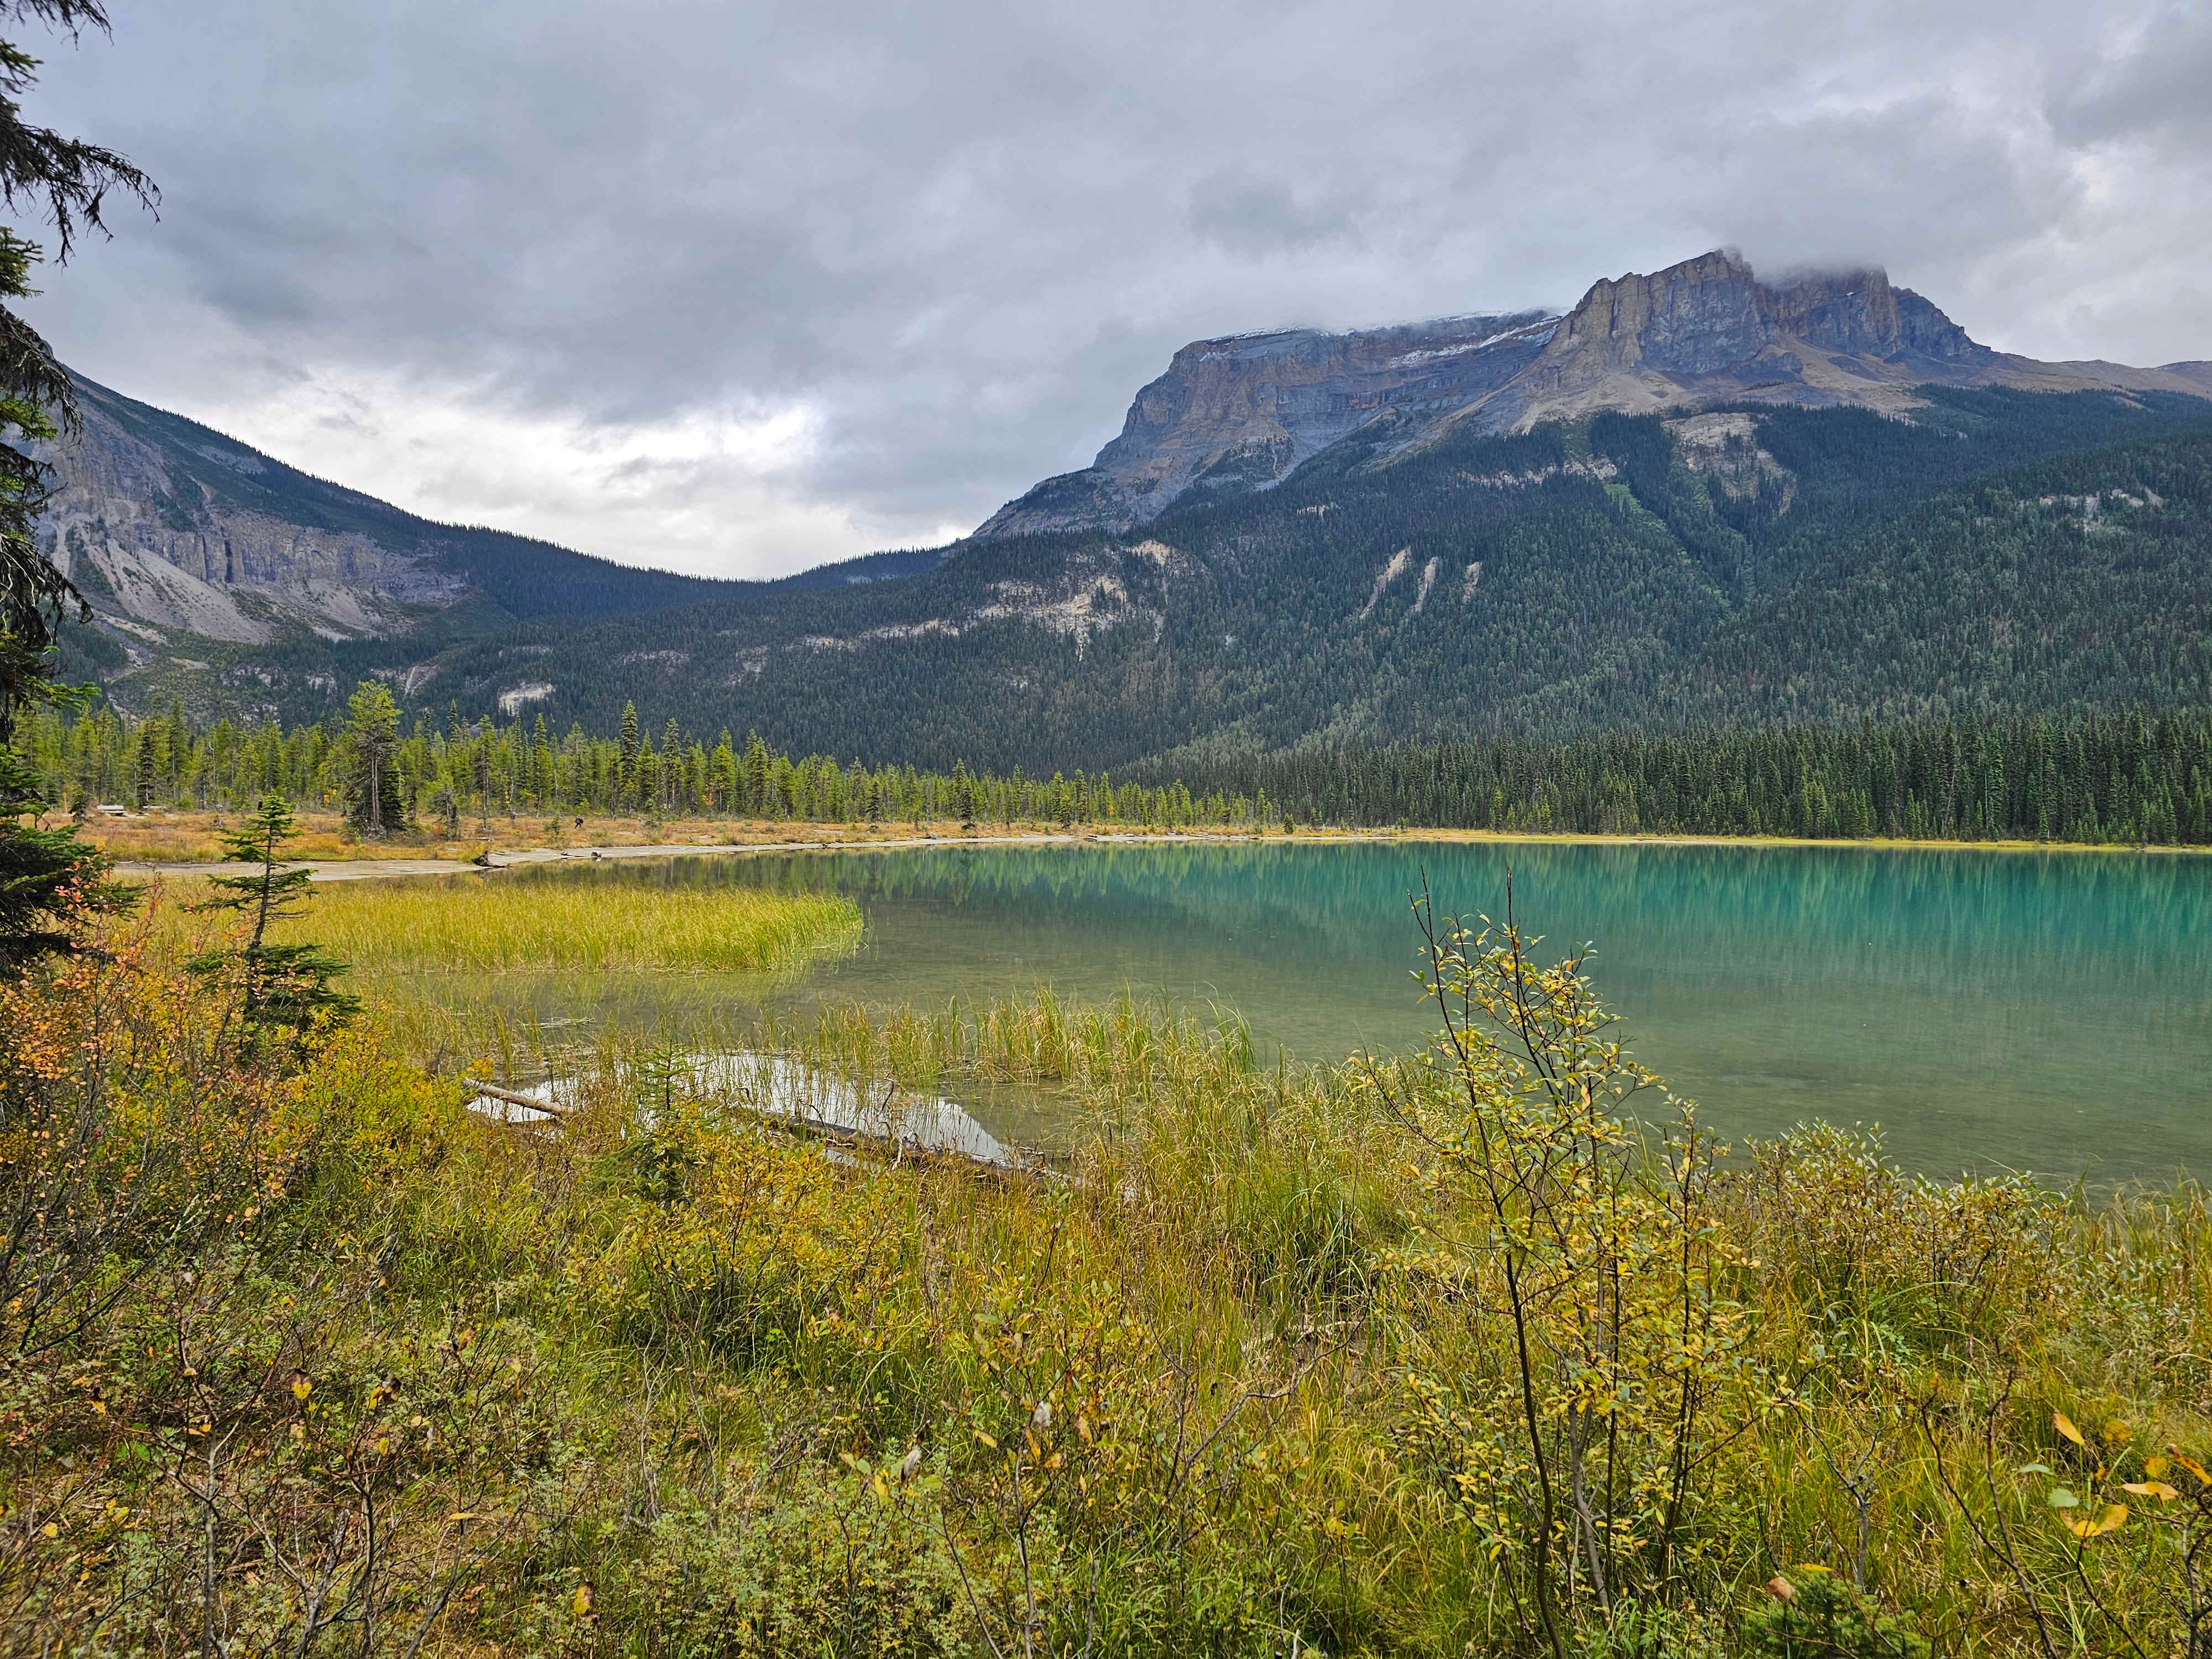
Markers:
(2020, 1007)
(1904, 917)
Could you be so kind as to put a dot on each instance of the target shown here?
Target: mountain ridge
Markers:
(1244, 411)
(1658, 509)
(205, 557)
(1623, 573)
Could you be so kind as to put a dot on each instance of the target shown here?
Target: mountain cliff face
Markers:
(1238, 414)
(157, 545)
(204, 557)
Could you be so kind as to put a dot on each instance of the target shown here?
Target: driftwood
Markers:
(514, 1099)
(900, 1149)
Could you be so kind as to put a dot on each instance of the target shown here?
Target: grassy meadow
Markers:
(1432, 1356)
(183, 836)
(503, 923)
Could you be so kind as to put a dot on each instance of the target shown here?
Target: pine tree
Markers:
(626, 775)
(285, 989)
(49, 879)
(367, 755)
(142, 786)
(963, 794)
(69, 180)
(757, 772)
(480, 773)
(671, 773)
(645, 778)
(722, 774)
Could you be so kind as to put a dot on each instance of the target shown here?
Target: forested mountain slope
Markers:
(2002, 552)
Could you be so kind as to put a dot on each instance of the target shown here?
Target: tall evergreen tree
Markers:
(369, 753)
(626, 760)
(671, 768)
(758, 767)
(44, 874)
(66, 182)
(541, 764)
(722, 774)
(47, 877)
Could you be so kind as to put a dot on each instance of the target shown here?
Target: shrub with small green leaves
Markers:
(1824, 1618)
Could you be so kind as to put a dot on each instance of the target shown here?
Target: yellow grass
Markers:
(494, 924)
(189, 837)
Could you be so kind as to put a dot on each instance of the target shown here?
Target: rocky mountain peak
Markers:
(1238, 412)
(1712, 315)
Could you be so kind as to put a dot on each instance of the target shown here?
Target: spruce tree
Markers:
(541, 764)
(285, 990)
(141, 788)
(368, 762)
(722, 774)
(66, 182)
(757, 772)
(480, 773)
(645, 779)
(47, 876)
(626, 775)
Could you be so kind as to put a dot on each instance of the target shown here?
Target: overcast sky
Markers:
(738, 287)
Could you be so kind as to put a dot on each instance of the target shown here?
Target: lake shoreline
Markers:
(396, 865)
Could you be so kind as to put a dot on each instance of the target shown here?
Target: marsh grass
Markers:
(498, 924)
(669, 1383)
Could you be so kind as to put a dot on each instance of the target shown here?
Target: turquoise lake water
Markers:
(2043, 1011)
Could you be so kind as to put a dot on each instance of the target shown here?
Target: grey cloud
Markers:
(959, 236)
(1246, 212)
(2157, 81)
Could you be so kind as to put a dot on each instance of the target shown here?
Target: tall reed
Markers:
(499, 924)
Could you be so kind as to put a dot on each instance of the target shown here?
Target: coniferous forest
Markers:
(2123, 779)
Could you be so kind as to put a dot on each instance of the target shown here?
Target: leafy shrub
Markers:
(1823, 1617)
(820, 1565)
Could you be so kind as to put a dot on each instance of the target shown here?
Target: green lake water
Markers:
(2043, 1011)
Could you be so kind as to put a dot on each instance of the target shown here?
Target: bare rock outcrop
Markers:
(1240, 412)
(155, 542)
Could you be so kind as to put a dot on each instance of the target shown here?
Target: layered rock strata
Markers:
(1240, 412)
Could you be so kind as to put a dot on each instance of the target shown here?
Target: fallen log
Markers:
(898, 1147)
(533, 1103)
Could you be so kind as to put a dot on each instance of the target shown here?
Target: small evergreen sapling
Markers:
(286, 988)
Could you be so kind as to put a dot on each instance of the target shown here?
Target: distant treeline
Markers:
(465, 771)
(2120, 778)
